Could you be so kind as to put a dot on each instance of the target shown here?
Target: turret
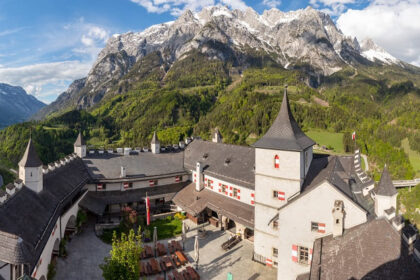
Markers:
(80, 146)
(155, 144)
(30, 169)
(385, 196)
(217, 137)
(338, 218)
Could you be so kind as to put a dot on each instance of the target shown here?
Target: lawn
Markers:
(166, 228)
(413, 156)
(329, 139)
(409, 204)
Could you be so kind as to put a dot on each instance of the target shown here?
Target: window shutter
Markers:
(268, 262)
(99, 186)
(321, 228)
(281, 195)
(276, 161)
(178, 179)
(152, 183)
(294, 253)
(310, 256)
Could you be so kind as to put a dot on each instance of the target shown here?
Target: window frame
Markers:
(275, 252)
(303, 258)
(314, 226)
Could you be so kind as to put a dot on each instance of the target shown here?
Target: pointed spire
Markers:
(30, 157)
(79, 141)
(385, 185)
(285, 133)
(155, 139)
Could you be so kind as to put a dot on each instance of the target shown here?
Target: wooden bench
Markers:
(168, 263)
(155, 266)
(193, 274)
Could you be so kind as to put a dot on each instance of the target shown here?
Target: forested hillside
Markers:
(380, 103)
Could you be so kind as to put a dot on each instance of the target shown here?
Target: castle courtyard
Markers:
(86, 252)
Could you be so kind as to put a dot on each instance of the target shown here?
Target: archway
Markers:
(231, 226)
(70, 227)
(249, 234)
(56, 249)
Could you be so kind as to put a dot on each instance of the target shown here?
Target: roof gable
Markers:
(79, 141)
(30, 157)
(385, 186)
(285, 133)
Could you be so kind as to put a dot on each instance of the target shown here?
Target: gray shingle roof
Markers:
(233, 209)
(108, 166)
(32, 216)
(373, 250)
(285, 133)
(155, 139)
(30, 157)
(385, 185)
(79, 141)
(14, 249)
(239, 170)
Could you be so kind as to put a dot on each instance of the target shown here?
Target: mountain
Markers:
(304, 39)
(16, 105)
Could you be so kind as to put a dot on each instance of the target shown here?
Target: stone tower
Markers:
(385, 195)
(30, 169)
(282, 159)
(80, 146)
(155, 144)
(217, 137)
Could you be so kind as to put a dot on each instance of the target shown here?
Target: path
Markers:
(366, 162)
(85, 253)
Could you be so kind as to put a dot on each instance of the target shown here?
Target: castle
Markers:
(309, 216)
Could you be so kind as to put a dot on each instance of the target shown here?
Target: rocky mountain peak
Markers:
(374, 53)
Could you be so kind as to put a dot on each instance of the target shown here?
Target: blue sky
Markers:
(46, 44)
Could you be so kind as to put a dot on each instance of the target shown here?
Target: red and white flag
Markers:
(148, 210)
(281, 195)
(353, 136)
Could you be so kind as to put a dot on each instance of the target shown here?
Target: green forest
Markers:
(380, 103)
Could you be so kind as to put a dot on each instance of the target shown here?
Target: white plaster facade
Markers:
(32, 177)
(295, 225)
(80, 151)
(383, 203)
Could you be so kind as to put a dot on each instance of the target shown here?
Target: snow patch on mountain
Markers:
(373, 52)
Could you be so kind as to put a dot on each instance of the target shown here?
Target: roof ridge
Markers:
(30, 157)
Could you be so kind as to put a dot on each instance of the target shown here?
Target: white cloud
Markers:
(10, 31)
(35, 78)
(271, 3)
(332, 7)
(177, 7)
(392, 24)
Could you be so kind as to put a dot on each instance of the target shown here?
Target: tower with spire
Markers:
(30, 169)
(80, 146)
(217, 137)
(155, 144)
(385, 195)
(282, 159)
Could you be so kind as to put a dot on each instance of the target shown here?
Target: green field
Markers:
(409, 203)
(413, 156)
(328, 139)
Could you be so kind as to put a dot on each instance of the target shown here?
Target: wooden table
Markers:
(181, 257)
(155, 266)
(193, 274)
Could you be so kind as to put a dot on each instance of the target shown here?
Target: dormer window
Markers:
(227, 161)
(205, 156)
(276, 161)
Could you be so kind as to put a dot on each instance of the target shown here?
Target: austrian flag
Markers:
(281, 195)
(353, 136)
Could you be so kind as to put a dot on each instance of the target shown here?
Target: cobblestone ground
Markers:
(86, 252)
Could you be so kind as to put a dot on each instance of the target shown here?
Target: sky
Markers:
(47, 44)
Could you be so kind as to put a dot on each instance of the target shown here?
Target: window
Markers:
(178, 179)
(303, 255)
(275, 194)
(128, 185)
(275, 252)
(235, 192)
(153, 183)
(101, 187)
(337, 221)
(224, 188)
(279, 195)
(276, 162)
(276, 225)
(318, 227)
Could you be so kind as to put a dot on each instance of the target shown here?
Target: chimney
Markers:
(199, 177)
(123, 172)
(57, 164)
(338, 217)
(63, 161)
(10, 189)
(51, 166)
(18, 184)
(3, 196)
(217, 137)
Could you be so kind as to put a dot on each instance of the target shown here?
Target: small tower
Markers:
(385, 195)
(217, 137)
(338, 218)
(80, 146)
(155, 144)
(30, 169)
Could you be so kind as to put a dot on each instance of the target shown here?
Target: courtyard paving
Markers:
(86, 252)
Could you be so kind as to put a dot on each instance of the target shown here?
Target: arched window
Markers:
(276, 161)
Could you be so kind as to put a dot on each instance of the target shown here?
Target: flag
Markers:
(148, 210)
(353, 135)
